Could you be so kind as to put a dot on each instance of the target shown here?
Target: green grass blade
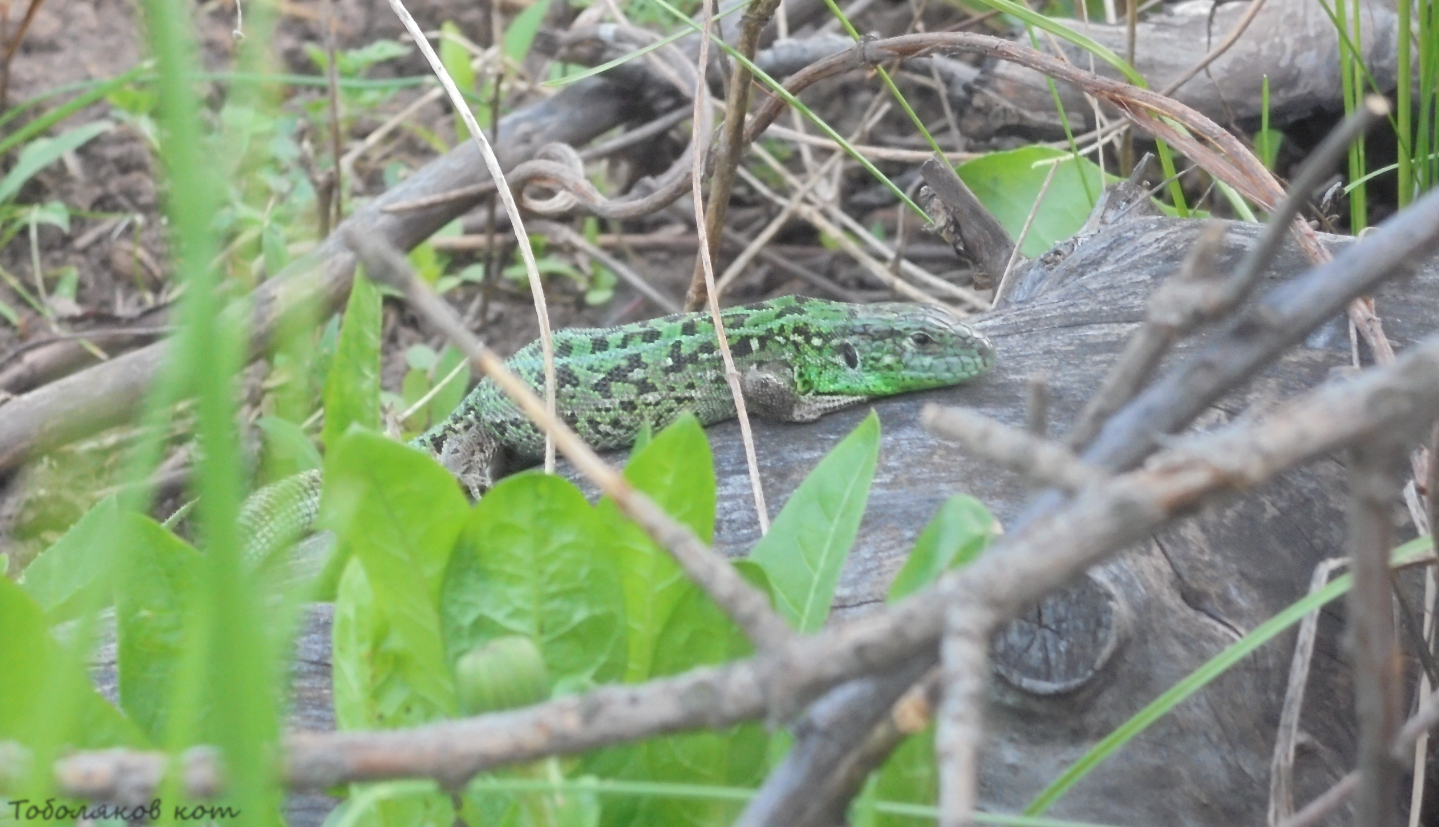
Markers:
(888, 81)
(1200, 677)
(63, 111)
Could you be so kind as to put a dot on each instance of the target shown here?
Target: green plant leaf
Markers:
(287, 448)
(46, 701)
(452, 387)
(456, 60)
(1007, 183)
(42, 152)
(520, 34)
(532, 561)
(352, 390)
(150, 620)
(805, 549)
(75, 573)
(676, 470)
(959, 531)
(398, 512)
(505, 673)
(699, 633)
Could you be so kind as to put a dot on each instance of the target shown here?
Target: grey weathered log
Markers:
(1290, 41)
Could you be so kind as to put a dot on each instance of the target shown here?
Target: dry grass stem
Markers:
(517, 224)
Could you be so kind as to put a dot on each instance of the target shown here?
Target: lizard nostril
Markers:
(850, 355)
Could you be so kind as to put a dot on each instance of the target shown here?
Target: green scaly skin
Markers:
(798, 358)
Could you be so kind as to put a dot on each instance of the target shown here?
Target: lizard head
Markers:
(889, 348)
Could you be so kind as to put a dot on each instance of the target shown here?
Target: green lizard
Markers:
(798, 358)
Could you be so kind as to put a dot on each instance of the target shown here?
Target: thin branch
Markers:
(568, 236)
(1014, 254)
(1276, 322)
(1018, 450)
(737, 97)
(745, 604)
(517, 224)
(1175, 309)
(1377, 662)
(706, 266)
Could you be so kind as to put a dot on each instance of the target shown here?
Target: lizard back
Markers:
(610, 382)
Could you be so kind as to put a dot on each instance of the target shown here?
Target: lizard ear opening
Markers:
(849, 354)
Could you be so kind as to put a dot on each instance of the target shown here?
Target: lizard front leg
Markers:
(769, 393)
(473, 456)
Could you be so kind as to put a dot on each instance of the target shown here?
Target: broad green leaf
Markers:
(699, 633)
(676, 470)
(74, 574)
(352, 390)
(42, 152)
(520, 34)
(452, 388)
(288, 449)
(959, 531)
(150, 620)
(505, 673)
(456, 60)
(534, 562)
(1008, 183)
(805, 549)
(356, 639)
(398, 512)
(46, 701)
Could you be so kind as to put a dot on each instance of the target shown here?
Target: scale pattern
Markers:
(610, 382)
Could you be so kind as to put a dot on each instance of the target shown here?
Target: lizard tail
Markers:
(279, 515)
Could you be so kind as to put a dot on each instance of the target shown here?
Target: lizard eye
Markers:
(849, 354)
(921, 338)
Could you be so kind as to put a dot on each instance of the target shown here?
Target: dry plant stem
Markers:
(517, 225)
(1173, 311)
(777, 223)
(589, 153)
(1214, 54)
(332, 81)
(756, 17)
(1415, 729)
(706, 264)
(874, 153)
(1193, 299)
(1024, 565)
(1281, 765)
(13, 46)
(972, 229)
(964, 671)
(816, 216)
(1275, 322)
(1377, 665)
(1014, 256)
(847, 244)
(1018, 450)
(745, 604)
(569, 237)
(835, 739)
